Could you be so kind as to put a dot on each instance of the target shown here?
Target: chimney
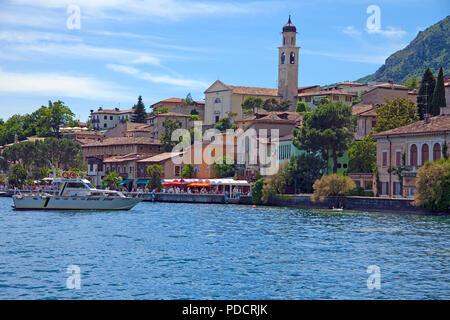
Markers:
(426, 118)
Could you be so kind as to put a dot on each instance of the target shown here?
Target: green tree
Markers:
(251, 105)
(275, 185)
(155, 173)
(304, 169)
(438, 98)
(433, 186)
(56, 116)
(187, 172)
(412, 83)
(256, 191)
(301, 107)
(166, 138)
(324, 101)
(139, 114)
(194, 117)
(273, 104)
(362, 155)
(112, 180)
(327, 129)
(224, 124)
(395, 113)
(159, 111)
(188, 100)
(18, 176)
(194, 112)
(224, 167)
(425, 93)
(332, 185)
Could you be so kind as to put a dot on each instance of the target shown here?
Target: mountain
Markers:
(430, 49)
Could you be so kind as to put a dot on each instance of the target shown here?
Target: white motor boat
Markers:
(74, 194)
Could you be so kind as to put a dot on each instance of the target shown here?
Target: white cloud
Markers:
(351, 31)
(166, 9)
(390, 32)
(160, 79)
(360, 58)
(84, 51)
(55, 84)
(36, 36)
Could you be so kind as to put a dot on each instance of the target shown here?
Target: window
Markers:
(292, 59)
(384, 161)
(177, 171)
(436, 151)
(217, 100)
(217, 118)
(307, 99)
(105, 117)
(196, 168)
(398, 158)
(104, 125)
(111, 117)
(283, 58)
(413, 155)
(348, 98)
(74, 185)
(374, 123)
(335, 98)
(425, 154)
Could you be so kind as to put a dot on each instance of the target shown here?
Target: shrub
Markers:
(433, 186)
(275, 185)
(257, 191)
(332, 185)
(359, 192)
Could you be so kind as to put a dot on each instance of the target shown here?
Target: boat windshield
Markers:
(90, 185)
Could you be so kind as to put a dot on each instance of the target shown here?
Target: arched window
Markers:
(437, 151)
(292, 58)
(425, 153)
(283, 57)
(413, 155)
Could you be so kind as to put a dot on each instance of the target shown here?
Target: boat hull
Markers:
(74, 203)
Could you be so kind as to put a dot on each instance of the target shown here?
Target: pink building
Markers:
(409, 146)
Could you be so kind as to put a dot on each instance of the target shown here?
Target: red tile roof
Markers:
(254, 91)
(123, 141)
(325, 92)
(436, 124)
(112, 111)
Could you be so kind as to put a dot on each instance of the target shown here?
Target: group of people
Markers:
(236, 192)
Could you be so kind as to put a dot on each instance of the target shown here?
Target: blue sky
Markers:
(167, 48)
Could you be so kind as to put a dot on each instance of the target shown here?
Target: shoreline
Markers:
(355, 203)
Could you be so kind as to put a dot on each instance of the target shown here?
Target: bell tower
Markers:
(288, 65)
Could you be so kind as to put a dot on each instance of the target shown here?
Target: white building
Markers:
(104, 119)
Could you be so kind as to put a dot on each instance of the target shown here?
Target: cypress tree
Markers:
(425, 93)
(438, 99)
(139, 115)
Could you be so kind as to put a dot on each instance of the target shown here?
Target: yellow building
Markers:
(222, 99)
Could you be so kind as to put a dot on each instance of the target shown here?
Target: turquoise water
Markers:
(192, 251)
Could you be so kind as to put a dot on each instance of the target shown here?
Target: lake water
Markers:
(193, 251)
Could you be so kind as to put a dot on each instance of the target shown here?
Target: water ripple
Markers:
(191, 251)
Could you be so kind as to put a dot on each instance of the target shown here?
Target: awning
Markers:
(174, 184)
(125, 181)
(142, 181)
(199, 185)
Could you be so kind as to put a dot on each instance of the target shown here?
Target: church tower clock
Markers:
(288, 65)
